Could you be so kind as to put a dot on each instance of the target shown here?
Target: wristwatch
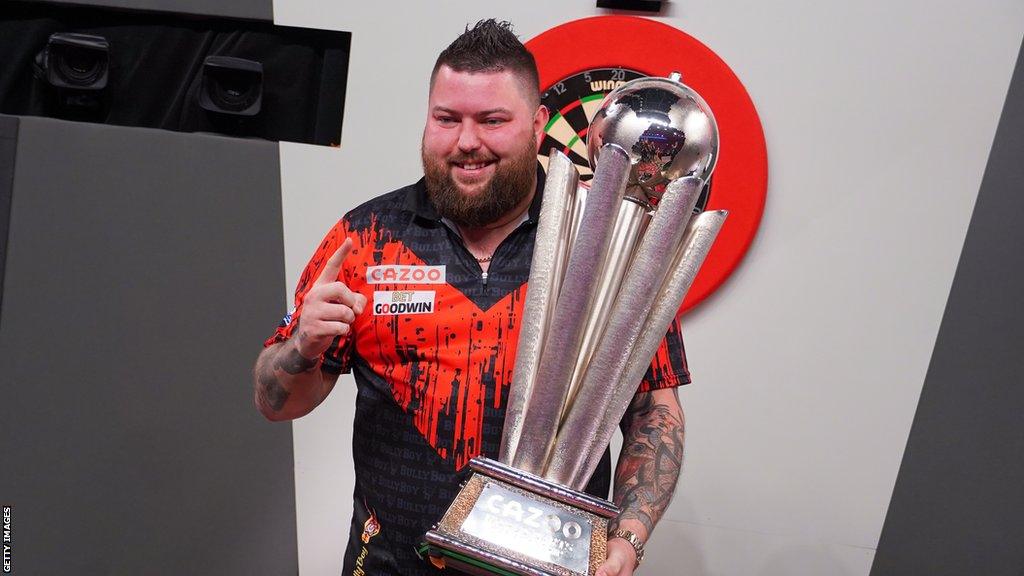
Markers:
(634, 541)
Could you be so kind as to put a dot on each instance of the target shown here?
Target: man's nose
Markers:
(469, 139)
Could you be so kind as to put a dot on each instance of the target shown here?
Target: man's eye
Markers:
(445, 120)
(494, 121)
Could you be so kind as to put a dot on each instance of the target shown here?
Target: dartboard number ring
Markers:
(572, 103)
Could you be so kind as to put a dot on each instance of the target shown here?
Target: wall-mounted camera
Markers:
(76, 67)
(231, 86)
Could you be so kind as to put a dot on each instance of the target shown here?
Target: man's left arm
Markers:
(646, 474)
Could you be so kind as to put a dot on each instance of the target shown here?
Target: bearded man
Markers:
(419, 292)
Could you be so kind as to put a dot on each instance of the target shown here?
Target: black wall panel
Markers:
(155, 76)
(250, 9)
(958, 504)
(143, 271)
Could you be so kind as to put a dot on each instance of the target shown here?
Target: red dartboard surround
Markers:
(740, 179)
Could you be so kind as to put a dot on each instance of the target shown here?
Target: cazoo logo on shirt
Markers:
(401, 274)
(403, 302)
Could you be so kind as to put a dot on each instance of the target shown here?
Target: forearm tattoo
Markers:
(649, 465)
(272, 393)
(294, 363)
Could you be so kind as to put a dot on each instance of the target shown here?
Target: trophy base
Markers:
(509, 522)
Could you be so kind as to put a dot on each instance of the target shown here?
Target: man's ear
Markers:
(540, 120)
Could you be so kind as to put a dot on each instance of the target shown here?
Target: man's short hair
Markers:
(491, 46)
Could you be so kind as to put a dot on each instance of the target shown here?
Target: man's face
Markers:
(480, 145)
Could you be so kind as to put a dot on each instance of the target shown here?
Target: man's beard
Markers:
(510, 184)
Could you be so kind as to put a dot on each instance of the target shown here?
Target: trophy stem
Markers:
(558, 358)
(579, 207)
(604, 374)
(633, 218)
(700, 235)
(550, 254)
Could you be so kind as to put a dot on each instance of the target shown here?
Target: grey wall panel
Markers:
(958, 502)
(144, 269)
(8, 146)
(249, 9)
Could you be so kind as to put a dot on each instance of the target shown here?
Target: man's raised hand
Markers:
(329, 308)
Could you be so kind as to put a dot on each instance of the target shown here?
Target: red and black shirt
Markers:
(432, 356)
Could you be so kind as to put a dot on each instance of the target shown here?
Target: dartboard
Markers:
(581, 61)
(572, 103)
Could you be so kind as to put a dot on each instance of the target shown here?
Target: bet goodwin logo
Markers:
(403, 302)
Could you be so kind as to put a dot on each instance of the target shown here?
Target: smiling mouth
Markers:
(471, 166)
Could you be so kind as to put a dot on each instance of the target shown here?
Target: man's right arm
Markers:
(288, 378)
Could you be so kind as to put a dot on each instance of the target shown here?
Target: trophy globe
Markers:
(664, 126)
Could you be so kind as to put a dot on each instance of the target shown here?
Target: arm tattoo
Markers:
(649, 465)
(292, 362)
(272, 393)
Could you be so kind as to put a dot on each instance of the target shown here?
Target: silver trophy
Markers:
(611, 266)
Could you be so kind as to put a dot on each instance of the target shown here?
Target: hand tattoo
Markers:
(649, 465)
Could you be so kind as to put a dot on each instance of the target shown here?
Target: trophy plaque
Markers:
(611, 265)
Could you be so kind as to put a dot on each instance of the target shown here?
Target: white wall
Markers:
(809, 361)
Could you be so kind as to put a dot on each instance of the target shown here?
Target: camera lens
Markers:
(234, 90)
(231, 86)
(80, 66)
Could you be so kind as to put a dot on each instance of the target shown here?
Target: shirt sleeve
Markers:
(668, 368)
(337, 356)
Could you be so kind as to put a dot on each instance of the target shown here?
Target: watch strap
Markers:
(634, 541)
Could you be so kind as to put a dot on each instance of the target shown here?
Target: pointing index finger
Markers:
(333, 266)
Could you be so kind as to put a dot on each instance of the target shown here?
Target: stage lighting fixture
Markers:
(73, 61)
(231, 86)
